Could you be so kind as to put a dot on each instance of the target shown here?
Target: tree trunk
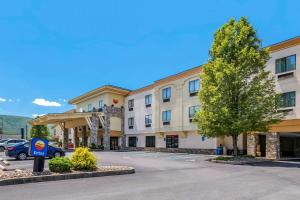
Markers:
(234, 142)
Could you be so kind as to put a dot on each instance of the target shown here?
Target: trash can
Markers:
(219, 151)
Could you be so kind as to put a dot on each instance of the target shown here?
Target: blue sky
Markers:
(52, 51)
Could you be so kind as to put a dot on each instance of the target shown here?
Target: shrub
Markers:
(83, 159)
(93, 146)
(60, 164)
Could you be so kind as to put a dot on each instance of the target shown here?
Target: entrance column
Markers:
(76, 137)
(272, 146)
(65, 138)
(94, 129)
(106, 135)
(84, 137)
(123, 136)
(252, 140)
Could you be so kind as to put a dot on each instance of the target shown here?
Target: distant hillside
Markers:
(11, 125)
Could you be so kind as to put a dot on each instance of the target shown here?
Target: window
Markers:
(150, 141)
(132, 141)
(193, 110)
(286, 64)
(101, 105)
(166, 117)
(130, 123)
(130, 104)
(287, 99)
(148, 100)
(194, 87)
(172, 141)
(166, 94)
(90, 108)
(148, 120)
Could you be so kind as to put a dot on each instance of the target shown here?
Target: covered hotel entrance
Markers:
(90, 128)
(282, 142)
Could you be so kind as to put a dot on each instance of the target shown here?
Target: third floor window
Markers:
(148, 100)
(101, 105)
(194, 87)
(286, 64)
(130, 123)
(130, 104)
(166, 94)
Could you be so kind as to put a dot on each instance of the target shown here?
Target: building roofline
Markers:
(104, 88)
(284, 44)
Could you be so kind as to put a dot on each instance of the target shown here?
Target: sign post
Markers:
(38, 149)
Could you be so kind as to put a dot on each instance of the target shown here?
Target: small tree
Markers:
(237, 94)
(39, 131)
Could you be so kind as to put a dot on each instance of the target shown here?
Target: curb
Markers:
(57, 177)
(238, 162)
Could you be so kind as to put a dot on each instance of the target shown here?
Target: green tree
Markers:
(39, 131)
(237, 94)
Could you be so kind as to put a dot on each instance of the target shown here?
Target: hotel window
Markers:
(194, 87)
(166, 94)
(132, 141)
(101, 105)
(286, 64)
(148, 100)
(148, 120)
(172, 141)
(166, 117)
(192, 111)
(90, 108)
(130, 123)
(150, 141)
(130, 104)
(287, 99)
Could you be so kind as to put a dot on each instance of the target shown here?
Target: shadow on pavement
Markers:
(284, 164)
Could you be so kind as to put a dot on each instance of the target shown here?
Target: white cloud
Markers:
(37, 115)
(44, 102)
(2, 100)
(10, 100)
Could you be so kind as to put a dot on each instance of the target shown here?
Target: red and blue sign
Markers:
(39, 147)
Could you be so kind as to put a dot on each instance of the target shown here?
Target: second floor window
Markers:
(148, 100)
(130, 104)
(166, 94)
(130, 123)
(194, 87)
(193, 110)
(101, 105)
(166, 117)
(286, 64)
(90, 108)
(287, 99)
(148, 120)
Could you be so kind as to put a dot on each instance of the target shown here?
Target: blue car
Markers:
(20, 151)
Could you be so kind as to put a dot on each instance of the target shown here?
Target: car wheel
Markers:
(22, 156)
(2, 149)
(57, 154)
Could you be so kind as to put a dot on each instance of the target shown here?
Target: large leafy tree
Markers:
(39, 131)
(237, 93)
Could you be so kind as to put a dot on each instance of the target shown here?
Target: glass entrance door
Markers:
(114, 143)
(172, 141)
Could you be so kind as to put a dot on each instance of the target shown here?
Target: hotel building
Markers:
(159, 116)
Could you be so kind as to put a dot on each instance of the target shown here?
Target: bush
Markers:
(60, 164)
(93, 146)
(83, 159)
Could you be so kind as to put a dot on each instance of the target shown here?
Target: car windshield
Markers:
(1, 141)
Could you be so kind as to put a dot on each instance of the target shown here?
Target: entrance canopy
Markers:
(70, 120)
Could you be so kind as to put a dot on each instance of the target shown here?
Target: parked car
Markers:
(5, 143)
(21, 151)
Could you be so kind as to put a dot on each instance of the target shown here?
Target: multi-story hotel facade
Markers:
(160, 116)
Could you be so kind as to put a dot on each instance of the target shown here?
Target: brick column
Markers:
(252, 140)
(65, 138)
(123, 136)
(272, 146)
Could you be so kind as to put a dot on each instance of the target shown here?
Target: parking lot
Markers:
(169, 176)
